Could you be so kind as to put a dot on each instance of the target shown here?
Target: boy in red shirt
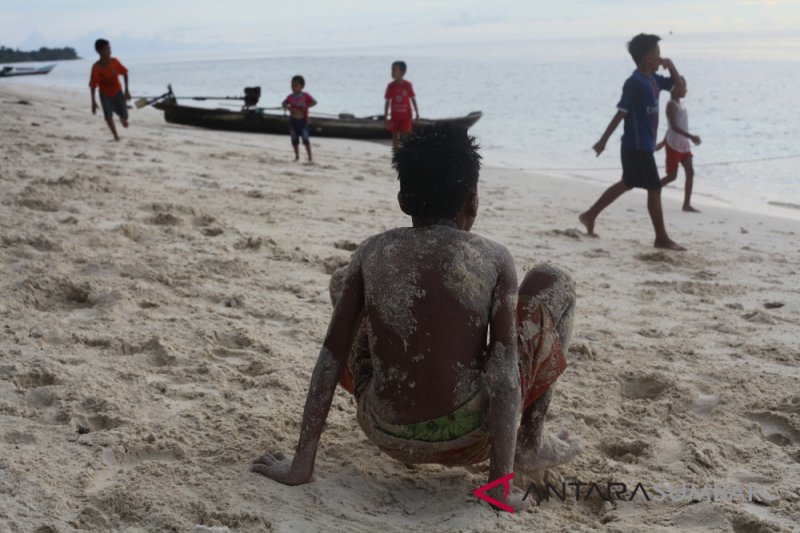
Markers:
(398, 94)
(105, 75)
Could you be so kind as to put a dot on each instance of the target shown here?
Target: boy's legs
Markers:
(688, 170)
(545, 286)
(294, 134)
(108, 113)
(121, 108)
(588, 217)
(306, 141)
(657, 217)
(672, 158)
(669, 178)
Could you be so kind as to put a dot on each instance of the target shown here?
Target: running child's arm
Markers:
(672, 110)
(386, 110)
(94, 101)
(127, 92)
(416, 109)
(600, 145)
(327, 372)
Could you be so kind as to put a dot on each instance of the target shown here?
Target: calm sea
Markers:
(544, 104)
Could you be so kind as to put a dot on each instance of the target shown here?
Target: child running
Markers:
(298, 104)
(448, 360)
(399, 96)
(105, 75)
(639, 108)
(678, 148)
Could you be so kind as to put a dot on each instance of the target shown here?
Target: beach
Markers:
(164, 300)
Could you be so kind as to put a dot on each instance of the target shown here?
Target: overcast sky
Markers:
(162, 27)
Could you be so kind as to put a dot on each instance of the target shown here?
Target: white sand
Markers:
(170, 293)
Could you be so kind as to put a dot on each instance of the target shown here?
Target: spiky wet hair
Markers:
(438, 168)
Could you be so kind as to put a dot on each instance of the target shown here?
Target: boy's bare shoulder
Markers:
(444, 238)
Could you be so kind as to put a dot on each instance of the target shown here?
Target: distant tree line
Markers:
(9, 55)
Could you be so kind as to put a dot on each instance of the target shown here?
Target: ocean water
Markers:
(544, 103)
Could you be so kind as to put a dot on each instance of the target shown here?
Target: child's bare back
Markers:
(429, 292)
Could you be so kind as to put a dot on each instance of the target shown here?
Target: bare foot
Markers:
(588, 222)
(669, 245)
(553, 451)
(690, 209)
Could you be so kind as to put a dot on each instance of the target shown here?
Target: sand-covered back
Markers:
(169, 294)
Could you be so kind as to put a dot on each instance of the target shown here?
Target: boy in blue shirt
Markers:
(639, 108)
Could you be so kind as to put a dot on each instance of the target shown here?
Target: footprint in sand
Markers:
(33, 379)
(346, 245)
(645, 386)
(164, 219)
(658, 257)
(596, 253)
(777, 428)
(626, 450)
(248, 243)
(157, 351)
(571, 233)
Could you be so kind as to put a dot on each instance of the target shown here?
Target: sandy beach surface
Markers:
(169, 294)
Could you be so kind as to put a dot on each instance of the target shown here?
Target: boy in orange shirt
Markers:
(105, 75)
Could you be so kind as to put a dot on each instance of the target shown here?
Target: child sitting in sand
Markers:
(414, 310)
(105, 75)
(298, 104)
(677, 142)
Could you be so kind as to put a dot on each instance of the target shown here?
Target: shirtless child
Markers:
(408, 337)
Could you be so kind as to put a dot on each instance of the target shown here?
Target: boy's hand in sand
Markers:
(279, 468)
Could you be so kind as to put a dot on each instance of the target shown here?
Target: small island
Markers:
(9, 55)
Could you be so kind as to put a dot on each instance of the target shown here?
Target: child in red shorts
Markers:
(679, 151)
(399, 96)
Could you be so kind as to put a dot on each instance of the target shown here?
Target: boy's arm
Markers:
(94, 101)
(327, 372)
(416, 109)
(677, 79)
(386, 110)
(600, 145)
(127, 92)
(672, 110)
(502, 372)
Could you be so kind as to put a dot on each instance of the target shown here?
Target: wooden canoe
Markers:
(260, 121)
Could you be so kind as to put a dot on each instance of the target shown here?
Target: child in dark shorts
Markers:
(105, 76)
(639, 108)
(298, 104)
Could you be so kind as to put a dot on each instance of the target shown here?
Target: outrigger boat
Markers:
(251, 119)
(6, 72)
